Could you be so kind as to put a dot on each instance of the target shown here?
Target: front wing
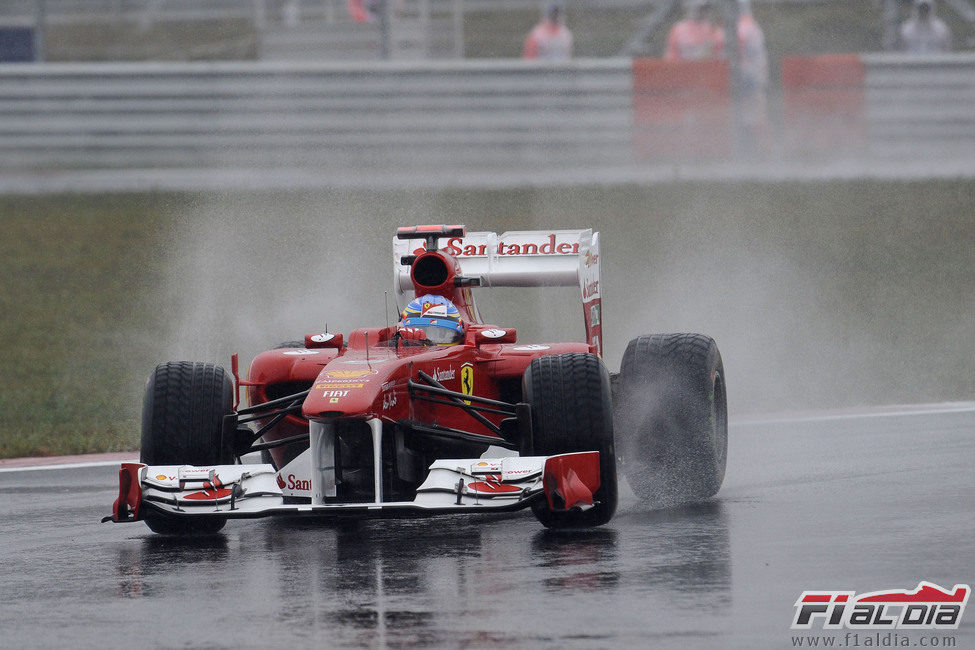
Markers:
(565, 481)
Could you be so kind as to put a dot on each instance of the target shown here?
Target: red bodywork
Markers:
(368, 376)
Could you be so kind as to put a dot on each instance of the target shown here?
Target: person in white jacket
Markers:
(753, 76)
(550, 39)
(924, 32)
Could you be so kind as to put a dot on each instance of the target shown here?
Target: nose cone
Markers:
(345, 389)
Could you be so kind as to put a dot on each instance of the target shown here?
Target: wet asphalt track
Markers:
(859, 503)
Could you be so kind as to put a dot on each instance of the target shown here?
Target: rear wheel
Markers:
(182, 424)
(571, 407)
(672, 417)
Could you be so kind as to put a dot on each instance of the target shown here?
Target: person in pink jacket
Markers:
(550, 39)
(696, 38)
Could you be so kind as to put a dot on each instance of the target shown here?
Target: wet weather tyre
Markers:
(571, 405)
(182, 424)
(671, 415)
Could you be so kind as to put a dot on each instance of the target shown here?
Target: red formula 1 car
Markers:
(440, 413)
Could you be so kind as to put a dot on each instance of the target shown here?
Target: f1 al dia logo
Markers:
(929, 607)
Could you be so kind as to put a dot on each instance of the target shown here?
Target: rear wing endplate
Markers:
(524, 258)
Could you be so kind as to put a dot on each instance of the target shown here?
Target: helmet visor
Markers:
(442, 335)
(438, 330)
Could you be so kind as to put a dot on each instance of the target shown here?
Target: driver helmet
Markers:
(437, 317)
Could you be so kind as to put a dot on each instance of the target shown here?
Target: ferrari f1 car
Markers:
(440, 413)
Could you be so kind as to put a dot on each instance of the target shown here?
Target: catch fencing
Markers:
(450, 115)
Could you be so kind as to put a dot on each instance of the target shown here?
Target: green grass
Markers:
(75, 326)
(202, 40)
(820, 294)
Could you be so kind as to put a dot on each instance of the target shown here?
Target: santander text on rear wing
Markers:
(524, 258)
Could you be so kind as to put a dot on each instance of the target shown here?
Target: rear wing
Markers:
(524, 258)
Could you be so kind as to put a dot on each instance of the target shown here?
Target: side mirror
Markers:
(323, 340)
(496, 335)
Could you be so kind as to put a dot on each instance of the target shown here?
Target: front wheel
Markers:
(571, 406)
(671, 414)
(182, 424)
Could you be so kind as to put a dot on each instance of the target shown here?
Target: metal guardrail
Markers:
(376, 117)
(920, 106)
(373, 116)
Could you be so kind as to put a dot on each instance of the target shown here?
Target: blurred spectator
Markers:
(924, 32)
(360, 12)
(291, 13)
(696, 38)
(367, 11)
(752, 55)
(753, 74)
(550, 39)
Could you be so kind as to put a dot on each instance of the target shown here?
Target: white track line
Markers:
(906, 410)
(98, 463)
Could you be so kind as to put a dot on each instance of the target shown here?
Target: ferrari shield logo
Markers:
(467, 380)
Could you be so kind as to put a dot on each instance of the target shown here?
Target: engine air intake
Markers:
(430, 271)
